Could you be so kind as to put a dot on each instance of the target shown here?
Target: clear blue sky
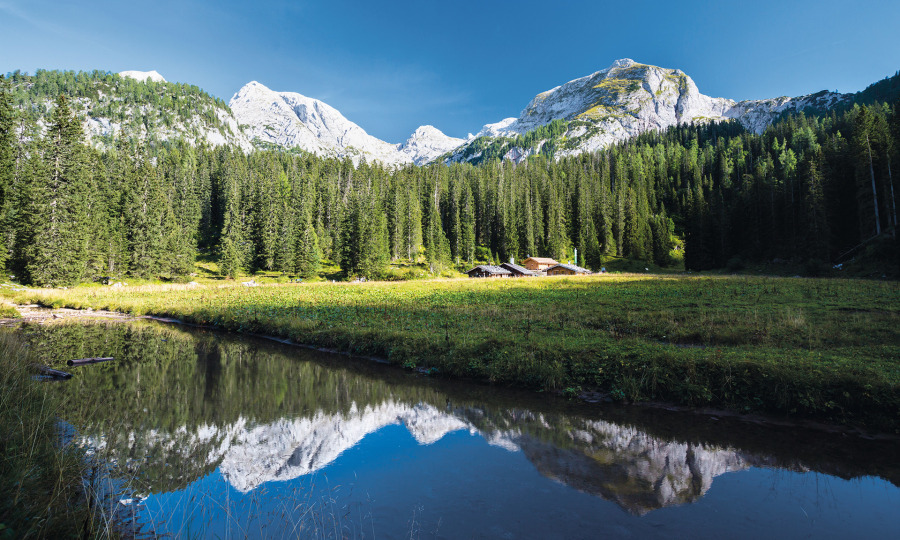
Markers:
(394, 65)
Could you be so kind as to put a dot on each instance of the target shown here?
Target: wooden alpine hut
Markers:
(488, 271)
(518, 271)
(567, 270)
(538, 264)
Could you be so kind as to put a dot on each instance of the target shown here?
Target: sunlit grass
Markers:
(813, 347)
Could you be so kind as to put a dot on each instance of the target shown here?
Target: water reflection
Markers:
(177, 406)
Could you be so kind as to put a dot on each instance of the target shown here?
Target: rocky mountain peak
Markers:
(292, 120)
(622, 63)
(629, 98)
(426, 144)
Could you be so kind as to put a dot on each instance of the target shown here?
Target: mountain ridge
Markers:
(582, 115)
(626, 99)
(292, 120)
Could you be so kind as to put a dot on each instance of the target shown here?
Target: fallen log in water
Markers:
(84, 361)
(51, 373)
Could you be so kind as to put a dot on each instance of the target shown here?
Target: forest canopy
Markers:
(810, 188)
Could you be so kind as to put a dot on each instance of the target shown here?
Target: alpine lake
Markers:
(198, 433)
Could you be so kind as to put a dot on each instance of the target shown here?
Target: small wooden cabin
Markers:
(567, 270)
(488, 271)
(518, 271)
(538, 264)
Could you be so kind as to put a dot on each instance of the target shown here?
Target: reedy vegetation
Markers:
(41, 490)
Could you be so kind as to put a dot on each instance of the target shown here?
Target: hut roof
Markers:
(542, 260)
(572, 267)
(515, 268)
(490, 269)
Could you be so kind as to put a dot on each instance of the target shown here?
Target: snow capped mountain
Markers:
(143, 75)
(292, 120)
(426, 144)
(629, 98)
(600, 109)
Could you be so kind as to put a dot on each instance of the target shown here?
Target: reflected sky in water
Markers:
(231, 437)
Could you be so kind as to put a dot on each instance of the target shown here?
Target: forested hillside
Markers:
(116, 108)
(808, 189)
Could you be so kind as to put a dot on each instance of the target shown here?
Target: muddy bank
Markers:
(33, 313)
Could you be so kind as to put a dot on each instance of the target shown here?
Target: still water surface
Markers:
(223, 436)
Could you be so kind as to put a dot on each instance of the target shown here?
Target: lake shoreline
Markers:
(37, 314)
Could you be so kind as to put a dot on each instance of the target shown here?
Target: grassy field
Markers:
(813, 348)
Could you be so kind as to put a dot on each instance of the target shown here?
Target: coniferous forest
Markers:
(811, 189)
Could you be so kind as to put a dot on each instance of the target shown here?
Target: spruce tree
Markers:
(233, 252)
(437, 247)
(308, 255)
(467, 237)
(7, 169)
(374, 251)
(60, 231)
(145, 220)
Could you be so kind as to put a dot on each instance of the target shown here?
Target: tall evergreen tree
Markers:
(60, 230)
(309, 255)
(7, 169)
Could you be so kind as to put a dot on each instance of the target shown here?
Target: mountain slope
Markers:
(292, 120)
(131, 105)
(583, 115)
(627, 99)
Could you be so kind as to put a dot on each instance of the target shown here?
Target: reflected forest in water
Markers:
(178, 405)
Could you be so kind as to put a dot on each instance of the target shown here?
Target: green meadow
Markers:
(823, 349)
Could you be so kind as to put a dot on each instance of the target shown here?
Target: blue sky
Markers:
(392, 66)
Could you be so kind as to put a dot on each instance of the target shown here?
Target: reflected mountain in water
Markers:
(290, 448)
(639, 472)
(188, 403)
(622, 464)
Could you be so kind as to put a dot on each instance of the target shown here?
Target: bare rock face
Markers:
(611, 105)
(292, 120)
(426, 144)
(629, 98)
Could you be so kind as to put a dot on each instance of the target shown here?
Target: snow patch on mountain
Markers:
(292, 120)
(143, 75)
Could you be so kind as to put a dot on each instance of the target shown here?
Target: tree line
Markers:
(808, 188)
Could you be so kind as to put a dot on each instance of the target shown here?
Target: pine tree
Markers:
(59, 251)
(467, 238)
(374, 251)
(413, 233)
(7, 169)
(307, 250)
(437, 247)
(816, 220)
(145, 215)
(233, 252)
(662, 230)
